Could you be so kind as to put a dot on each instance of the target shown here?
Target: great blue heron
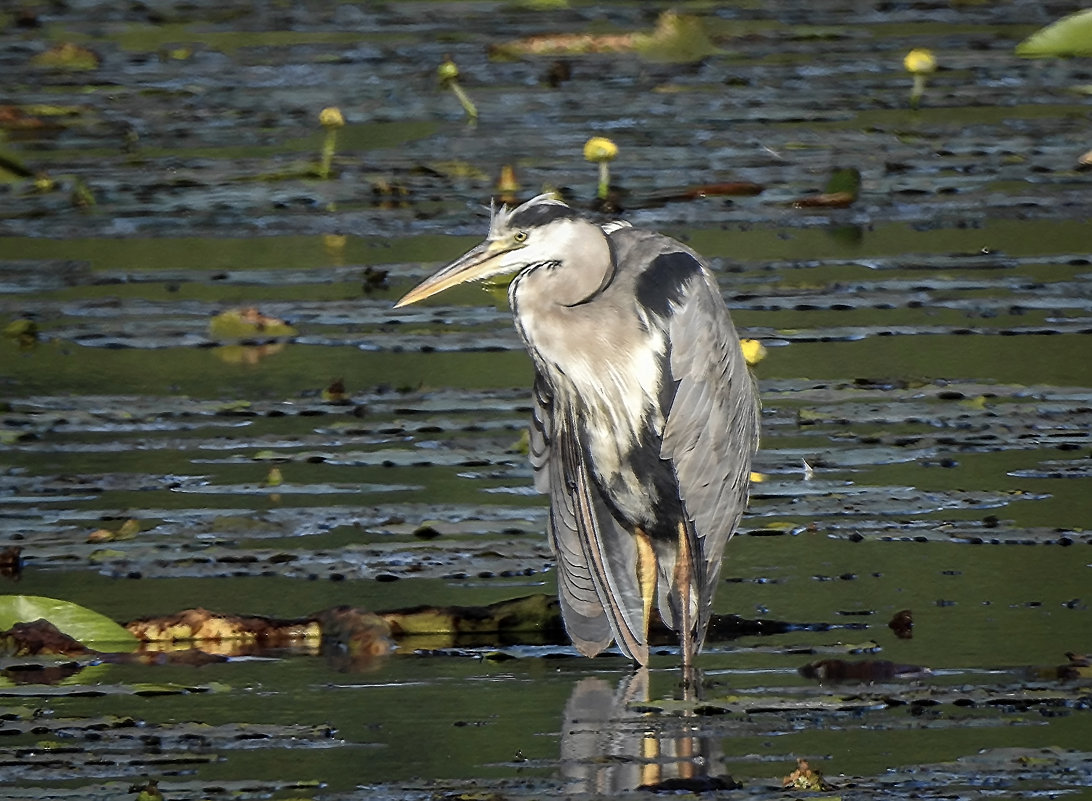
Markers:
(645, 415)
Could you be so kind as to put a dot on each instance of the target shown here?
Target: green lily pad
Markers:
(248, 324)
(1069, 36)
(90, 628)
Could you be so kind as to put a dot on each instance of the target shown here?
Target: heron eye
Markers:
(519, 237)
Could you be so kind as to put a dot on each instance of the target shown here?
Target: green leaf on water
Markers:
(1069, 36)
(82, 624)
(248, 323)
(678, 39)
(844, 180)
(67, 56)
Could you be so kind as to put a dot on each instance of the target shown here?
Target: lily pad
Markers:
(1069, 36)
(248, 323)
(88, 627)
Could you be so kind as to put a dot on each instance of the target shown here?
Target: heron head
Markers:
(535, 233)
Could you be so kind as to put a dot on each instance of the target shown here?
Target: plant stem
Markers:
(917, 91)
(464, 98)
(328, 147)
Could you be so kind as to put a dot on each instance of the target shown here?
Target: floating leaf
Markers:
(101, 535)
(678, 39)
(66, 56)
(12, 168)
(147, 792)
(842, 189)
(248, 323)
(844, 179)
(37, 638)
(531, 613)
(335, 392)
(806, 778)
(564, 44)
(128, 530)
(356, 635)
(21, 328)
(1069, 36)
(88, 627)
(202, 625)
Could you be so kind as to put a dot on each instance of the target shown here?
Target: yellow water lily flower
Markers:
(753, 351)
(330, 117)
(599, 148)
(920, 61)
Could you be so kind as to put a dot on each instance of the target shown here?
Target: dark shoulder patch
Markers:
(539, 214)
(664, 281)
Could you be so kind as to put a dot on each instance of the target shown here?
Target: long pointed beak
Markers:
(479, 263)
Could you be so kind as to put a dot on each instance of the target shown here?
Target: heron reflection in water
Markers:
(609, 745)
(645, 416)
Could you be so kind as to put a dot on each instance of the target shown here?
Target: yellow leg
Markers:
(646, 575)
(683, 576)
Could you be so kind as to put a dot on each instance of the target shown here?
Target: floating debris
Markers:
(807, 779)
(902, 623)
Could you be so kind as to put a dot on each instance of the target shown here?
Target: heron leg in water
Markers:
(646, 576)
(683, 577)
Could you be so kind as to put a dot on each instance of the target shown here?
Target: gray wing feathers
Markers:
(538, 449)
(712, 428)
(597, 586)
(580, 607)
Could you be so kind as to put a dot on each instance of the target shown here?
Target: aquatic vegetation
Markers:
(841, 190)
(127, 531)
(448, 73)
(959, 275)
(806, 778)
(920, 63)
(677, 38)
(507, 185)
(1069, 36)
(67, 56)
(331, 120)
(77, 622)
(602, 151)
(753, 351)
(248, 323)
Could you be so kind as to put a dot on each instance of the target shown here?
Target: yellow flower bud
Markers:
(447, 71)
(507, 183)
(330, 117)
